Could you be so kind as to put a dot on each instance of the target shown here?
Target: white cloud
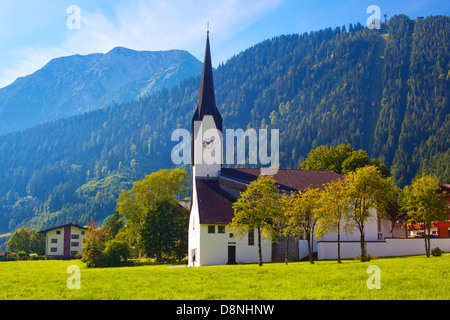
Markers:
(146, 25)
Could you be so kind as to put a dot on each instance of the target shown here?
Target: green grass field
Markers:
(401, 278)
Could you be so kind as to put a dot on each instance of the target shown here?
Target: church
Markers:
(214, 189)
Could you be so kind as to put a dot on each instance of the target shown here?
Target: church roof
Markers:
(287, 179)
(215, 204)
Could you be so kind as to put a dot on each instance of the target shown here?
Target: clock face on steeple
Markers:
(208, 143)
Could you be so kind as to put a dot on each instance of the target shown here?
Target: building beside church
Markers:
(216, 188)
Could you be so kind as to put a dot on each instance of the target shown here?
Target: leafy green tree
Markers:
(20, 240)
(26, 240)
(299, 214)
(288, 221)
(327, 158)
(368, 192)
(423, 203)
(139, 207)
(160, 186)
(114, 222)
(164, 229)
(257, 208)
(335, 213)
(37, 243)
(341, 159)
(307, 203)
(115, 252)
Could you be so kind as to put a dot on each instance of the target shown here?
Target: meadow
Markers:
(401, 278)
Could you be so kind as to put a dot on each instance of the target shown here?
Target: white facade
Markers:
(214, 244)
(64, 241)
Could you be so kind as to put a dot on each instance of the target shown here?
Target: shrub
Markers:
(115, 252)
(12, 256)
(92, 258)
(437, 252)
(368, 257)
(22, 255)
(34, 256)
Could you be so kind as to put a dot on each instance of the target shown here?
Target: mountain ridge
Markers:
(71, 85)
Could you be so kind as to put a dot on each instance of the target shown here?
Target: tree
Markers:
(27, 240)
(135, 204)
(423, 203)
(37, 243)
(94, 243)
(335, 213)
(288, 221)
(368, 190)
(327, 158)
(341, 159)
(163, 229)
(299, 216)
(257, 208)
(308, 205)
(114, 222)
(115, 251)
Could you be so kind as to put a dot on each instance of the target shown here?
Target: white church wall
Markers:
(214, 247)
(385, 248)
(303, 249)
(370, 232)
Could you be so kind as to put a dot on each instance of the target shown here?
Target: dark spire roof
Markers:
(207, 100)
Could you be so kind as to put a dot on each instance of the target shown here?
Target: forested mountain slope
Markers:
(385, 91)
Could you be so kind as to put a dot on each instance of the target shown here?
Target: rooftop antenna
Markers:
(207, 27)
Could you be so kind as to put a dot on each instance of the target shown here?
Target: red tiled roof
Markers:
(215, 204)
(293, 179)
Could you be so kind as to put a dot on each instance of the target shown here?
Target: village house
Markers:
(64, 241)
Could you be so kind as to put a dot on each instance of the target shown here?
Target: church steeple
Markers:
(207, 100)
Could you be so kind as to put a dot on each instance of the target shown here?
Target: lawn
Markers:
(415, 277)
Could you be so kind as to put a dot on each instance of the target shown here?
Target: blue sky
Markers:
(32, 32)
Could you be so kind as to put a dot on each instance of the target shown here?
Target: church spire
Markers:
(207, 100)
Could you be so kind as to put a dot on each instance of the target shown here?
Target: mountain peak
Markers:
(121, 51)
(71, 85)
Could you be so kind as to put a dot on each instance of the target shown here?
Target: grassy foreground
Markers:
(401, 278)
